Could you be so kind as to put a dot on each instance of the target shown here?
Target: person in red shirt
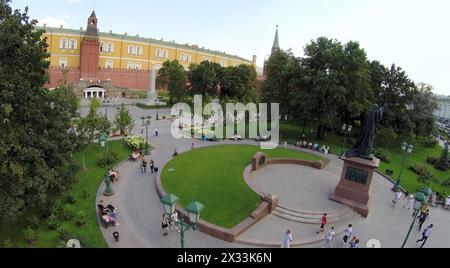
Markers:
(324, 222)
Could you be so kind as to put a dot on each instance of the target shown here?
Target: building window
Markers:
(185, 57)
(63, 43)
(223, 63)
(162, 54)
(206, 59)
(138, 66)
(130, 65)
(62, 62)
(166, 54)
(109, 64)
(110, 47)
(73, 44)
(131, 50)
(102, 47)
(139, 51)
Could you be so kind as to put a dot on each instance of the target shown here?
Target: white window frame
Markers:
(166, 54)
(138, 66)
(102, 47)
(131, 50)
(73, 44)
(139, 51)
(63, 63)
(130, 65)
(109, 64)
(110, 47)
(63, 43)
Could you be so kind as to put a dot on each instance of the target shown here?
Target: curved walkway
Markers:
(140, 210)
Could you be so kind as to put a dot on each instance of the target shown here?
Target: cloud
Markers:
(53, 22)
(73, 1)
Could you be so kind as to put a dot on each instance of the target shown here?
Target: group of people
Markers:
(108, 214)
(113, 175)
(314, 146)
(135, 155)
(145, 163)
(169, 223)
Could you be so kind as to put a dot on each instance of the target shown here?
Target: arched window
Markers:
(138, 66)
(110, 47)
(73, 44)
(63, 62)
(102, 46)
(109, 64)
(130, 65)
(63, 43)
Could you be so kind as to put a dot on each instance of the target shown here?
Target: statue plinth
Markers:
(354, 188)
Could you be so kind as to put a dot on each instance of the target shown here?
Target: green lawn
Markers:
(292, 133)
(214, 176)
(88, 181)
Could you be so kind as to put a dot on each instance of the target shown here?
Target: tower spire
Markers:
(276, 43)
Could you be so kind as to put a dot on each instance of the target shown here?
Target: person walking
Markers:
(397, 197)
(329, 238)
(410, 202)
(165, 225)
(347, 234)
(116, 236)
(423, 217)
(152, 166)
(324, 222)
(425, 235)
(355, 243)
(144, 165)
(157, 132)
(287, 239)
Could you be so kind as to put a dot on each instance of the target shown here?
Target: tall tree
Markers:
(205, 78)
(422, 110)
(124, 120)
(35, 148)
(240, 83)
(173, 76)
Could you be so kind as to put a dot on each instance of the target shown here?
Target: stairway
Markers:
(309, 217)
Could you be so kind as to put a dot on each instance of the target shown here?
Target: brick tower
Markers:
(89, 62)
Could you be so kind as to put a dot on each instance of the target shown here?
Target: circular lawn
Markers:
(213, 176)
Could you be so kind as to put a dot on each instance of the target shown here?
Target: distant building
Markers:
(107, 64)
(275, 49)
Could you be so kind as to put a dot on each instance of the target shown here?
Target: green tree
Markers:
(422, 110)
(173, 76)
(91, 126)
(124, 120)
(385, 136)
(35, 150)
(240, 83)
(444, 161)
(205, 78)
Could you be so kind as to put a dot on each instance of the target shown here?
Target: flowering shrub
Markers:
(135, 142)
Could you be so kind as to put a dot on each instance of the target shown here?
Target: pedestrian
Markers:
(410, 202)
(116, 236)
(425, 235)
(398, 196)
(423, 217)
(144, 165)
(324, 222)
(165, 225)
(156, 132)
(329, 238)
(347, 234)
(192, 146)
(152, 166)
(287, 239)
(355, 244)
(174, 222)
(175, 153)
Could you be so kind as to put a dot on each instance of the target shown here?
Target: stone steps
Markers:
(307, 217)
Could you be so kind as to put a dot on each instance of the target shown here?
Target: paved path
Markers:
(140, 209)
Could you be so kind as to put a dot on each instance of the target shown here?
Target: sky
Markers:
(413, 34)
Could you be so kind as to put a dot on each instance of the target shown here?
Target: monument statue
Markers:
(364, 146)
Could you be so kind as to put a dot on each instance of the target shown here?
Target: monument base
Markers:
(354, 188)
(152, 103)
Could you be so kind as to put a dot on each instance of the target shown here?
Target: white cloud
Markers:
(73, 1)
(53, 22)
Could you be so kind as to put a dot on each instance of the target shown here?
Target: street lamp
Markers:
(407, 149)
(193, 209)
(346, 129)
(104, 144)
(146, 121)
(419, 199)
(106, 103)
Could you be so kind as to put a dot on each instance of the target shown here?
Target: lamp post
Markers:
(193, 209)
(157, 108)
(346, 129)
(146, 121)
(106, 103)
(104, 144)
(419, 199)
(407, 149)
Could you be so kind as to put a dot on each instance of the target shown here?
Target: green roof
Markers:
(143, 40)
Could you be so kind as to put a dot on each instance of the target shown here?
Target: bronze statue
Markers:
(364, 146)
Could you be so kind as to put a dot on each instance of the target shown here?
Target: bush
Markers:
(33, 220)
(68, 213)
(446, 183)
(86, 194)
(29, 234)
(70, 198)
(52, 222)
(382, 155)
(431, 142)
(8, 243)
(52, 208)
(80, 219)
(111, 157)
(424, 173)
(63, 233)
(135, 142)
(432, 160)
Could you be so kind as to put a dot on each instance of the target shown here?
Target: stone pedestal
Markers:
(354, 188)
